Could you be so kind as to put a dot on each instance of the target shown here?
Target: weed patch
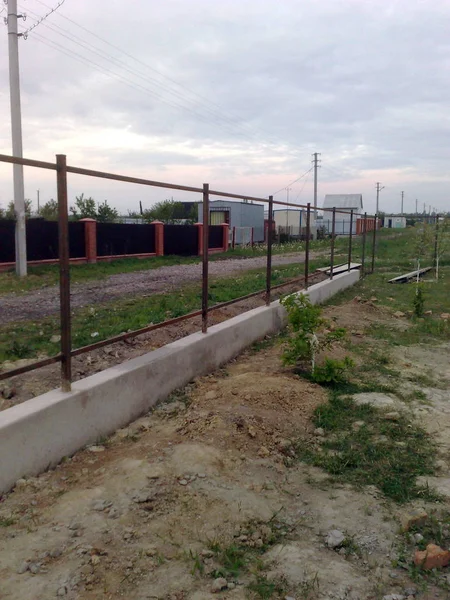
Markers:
(367, 449)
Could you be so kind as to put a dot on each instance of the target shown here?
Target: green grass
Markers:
(32, 338)
(44, 276)
(384, 453)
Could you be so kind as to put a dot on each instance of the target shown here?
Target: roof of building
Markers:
(348, 201)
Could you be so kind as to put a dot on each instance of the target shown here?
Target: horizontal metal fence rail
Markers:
(67, 353)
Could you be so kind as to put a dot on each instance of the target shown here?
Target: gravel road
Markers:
(44, 302)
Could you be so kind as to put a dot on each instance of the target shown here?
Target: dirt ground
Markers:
(44, 302)
(143, 514)
(27, 386)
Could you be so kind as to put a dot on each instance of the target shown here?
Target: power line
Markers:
(105, 71)
(51, 11)
(117, 62)
(162, 75)
(292, 182)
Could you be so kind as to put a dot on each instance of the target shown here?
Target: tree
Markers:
(10, 212)
(106, 214)
(49, 210)
(84, 208)
(167, 211)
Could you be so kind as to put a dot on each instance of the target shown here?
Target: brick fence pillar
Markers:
(200, 238)
(159, 238)
(225, 237)
(90, 239)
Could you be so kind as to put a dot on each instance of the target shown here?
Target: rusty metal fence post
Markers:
(363, 246)
(436, 247)
(350, 239)
(64, 272)
(374, 242)
(308, 233)
(333, 233)
(205, 257)
(269, 251)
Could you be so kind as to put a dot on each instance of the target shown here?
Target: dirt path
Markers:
(201, 499)
(44, 302)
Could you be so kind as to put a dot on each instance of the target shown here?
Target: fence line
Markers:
(67, 353)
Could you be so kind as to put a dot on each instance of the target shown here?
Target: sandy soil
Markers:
(135, 517)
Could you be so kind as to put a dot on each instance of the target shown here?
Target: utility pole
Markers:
(38, 201)
(378, 195)
(288, 189)
(16, 130)
(424, 209)
(416, 206)
(403, 195)
(316, 165)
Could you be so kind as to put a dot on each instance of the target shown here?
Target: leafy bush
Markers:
(332, 371)
(311, 333)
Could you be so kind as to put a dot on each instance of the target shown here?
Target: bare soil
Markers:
(45, 302)
(136, 516)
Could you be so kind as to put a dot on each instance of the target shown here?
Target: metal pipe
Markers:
(350, 239)
(64, 272)
(269, 252)
(374, 242)
(333, 233)
(308, 233)
(205, 257)
(31, 367)
(364, 245)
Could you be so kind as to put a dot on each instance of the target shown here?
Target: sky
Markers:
(238, 94)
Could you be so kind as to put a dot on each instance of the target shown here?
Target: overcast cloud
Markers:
(262, 85)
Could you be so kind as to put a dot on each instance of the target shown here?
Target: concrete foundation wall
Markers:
(37, 434)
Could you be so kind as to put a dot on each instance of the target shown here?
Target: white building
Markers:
(342, 202)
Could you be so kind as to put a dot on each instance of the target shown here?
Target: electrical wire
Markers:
(303, 187)
(120, 64)
(110, 73)
(292, 182)
(201, 100)
(39, 21)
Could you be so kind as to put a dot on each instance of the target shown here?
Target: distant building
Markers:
(237, 214)
(392, 222)
(345, 203)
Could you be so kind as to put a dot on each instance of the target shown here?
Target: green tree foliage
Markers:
(105, 213)
(49, 210)
(86, 208)
(169, 212)
(9, 212)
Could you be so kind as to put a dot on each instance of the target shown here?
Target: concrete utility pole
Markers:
(316, 165)
(16, 129)
(38, 201)
(416, 206)
(403, 195)
(378, 195)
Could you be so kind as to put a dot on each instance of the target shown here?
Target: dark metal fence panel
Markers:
(215, 236)
(181, 240)
(118, 239)
(42, 239)
(77, 243)
(7, 241)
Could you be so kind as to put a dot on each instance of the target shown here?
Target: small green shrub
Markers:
(310, 334)
(332, 371)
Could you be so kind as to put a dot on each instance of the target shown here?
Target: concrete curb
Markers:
(38, 433)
